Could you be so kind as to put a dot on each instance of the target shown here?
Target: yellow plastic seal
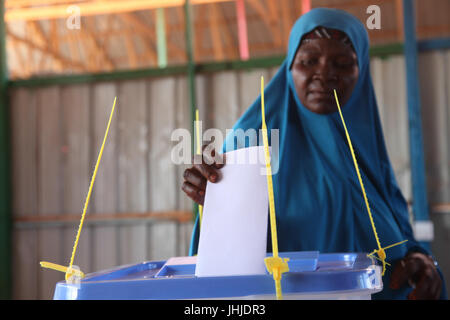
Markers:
(380, 251)
(275, 265)
(70, 272)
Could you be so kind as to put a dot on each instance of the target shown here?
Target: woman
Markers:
(319, 203)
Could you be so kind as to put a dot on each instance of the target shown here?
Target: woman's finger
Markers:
(194, 177)
(208, 172)
(193, 192)
(436, 288)
(220, 161)
(422, 288)
(401, 273)
(404, 270)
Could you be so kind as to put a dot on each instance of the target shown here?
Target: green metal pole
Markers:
(5, 206)
(191, 79)
(161, 46)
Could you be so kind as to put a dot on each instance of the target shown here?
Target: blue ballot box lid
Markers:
(311, 275)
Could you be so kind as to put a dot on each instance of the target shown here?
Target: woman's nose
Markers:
(325, 71)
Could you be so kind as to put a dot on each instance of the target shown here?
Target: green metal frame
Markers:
(191, 81)
(149, 72)
(190, 65)
(98, 77)
(184, 69)
(5, 182)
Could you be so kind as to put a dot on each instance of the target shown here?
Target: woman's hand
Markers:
(205, 168)
(420, 272)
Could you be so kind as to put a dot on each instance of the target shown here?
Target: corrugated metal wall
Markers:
(389, 82)
(56, 136)
(435, 93)
(57, 131)
(434, 68)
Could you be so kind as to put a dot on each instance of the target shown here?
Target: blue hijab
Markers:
(318, 198)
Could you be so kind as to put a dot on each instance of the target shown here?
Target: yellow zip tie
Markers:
(61, 268)
(380, 251)
(199, 151)
(275, 265)
(388, 247)
(68, 270)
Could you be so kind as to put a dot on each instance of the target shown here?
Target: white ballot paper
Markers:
(233, 233)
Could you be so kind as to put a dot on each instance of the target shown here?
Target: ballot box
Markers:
(312, 275)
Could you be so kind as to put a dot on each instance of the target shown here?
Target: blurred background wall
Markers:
(62, 82)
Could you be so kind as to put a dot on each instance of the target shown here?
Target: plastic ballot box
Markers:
(312, 275)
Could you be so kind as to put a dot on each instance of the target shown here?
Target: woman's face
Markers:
(320, 66)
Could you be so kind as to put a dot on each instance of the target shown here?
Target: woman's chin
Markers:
(321, 107)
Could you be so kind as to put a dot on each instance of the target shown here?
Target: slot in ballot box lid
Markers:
(185, 266)
(311, 274)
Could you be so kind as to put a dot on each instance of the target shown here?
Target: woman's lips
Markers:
(321, 94)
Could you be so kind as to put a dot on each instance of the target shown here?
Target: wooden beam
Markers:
(36, 3)
(179, 216)
(97, 49)
(129, 42)
(231, 45)
(199, 32)
(287, 23)
(180, 13)
(216, 35)
(29, 34)
(24, 70)
(51, 42)
(441, 208)
(95, 8)
(44, 58)
(426, 30)
(263, 14)
(54, 43)
(146, 32)
(79, 38)
(131, 51)
(353, 3)
(176, 27)
(138, 25)
(74, 45)
(38, 33)
(55, 55)
(88, 47)
(272, 22)
(399, 19)
(297, 9)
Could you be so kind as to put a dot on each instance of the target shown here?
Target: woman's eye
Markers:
(309, 62)
(344, 63)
